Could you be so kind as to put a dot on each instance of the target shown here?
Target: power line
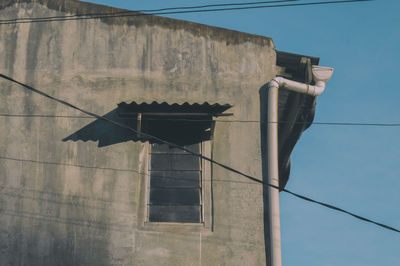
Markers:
(214, 180)
(67, 164)
(201, 156)
(135, 14)
(210, 120)
(46, 116)
(3, 157)
(341, 210)
(152, 10)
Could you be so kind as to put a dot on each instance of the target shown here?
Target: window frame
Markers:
(200, 187)
(206, 197)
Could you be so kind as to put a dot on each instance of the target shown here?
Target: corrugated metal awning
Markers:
(165, 108)
(178, 123)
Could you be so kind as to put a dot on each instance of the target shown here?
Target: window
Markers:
(178, 187)
(176, 193)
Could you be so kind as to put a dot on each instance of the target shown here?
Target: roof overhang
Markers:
(296, 110)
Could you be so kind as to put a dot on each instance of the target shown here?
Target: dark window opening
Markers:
(175, 184)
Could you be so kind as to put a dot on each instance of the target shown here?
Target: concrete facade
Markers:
(75, 203)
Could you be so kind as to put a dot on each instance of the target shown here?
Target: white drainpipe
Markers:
(320, 75)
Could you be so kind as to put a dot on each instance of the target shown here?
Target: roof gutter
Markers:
(320, 76)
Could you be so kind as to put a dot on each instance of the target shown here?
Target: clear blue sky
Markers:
(357, 168)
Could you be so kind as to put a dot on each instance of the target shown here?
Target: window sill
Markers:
(175, 227)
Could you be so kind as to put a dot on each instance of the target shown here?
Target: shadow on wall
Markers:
(104, 132)
(177, 128)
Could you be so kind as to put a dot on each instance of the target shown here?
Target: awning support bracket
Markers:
(139, 124)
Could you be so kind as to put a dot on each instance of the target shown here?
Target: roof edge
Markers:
(231, 37)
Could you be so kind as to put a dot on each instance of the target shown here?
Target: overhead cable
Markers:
(67, 164)
(23, 160)
(151, 10)
(136, 14)
(376, 124)
(200, 156)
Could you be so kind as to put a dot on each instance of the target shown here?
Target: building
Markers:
(81, 191)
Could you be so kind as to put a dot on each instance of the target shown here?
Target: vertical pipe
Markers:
(273, 178)
(320, 75)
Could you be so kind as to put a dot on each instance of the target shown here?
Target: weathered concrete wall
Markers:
(73, 203)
